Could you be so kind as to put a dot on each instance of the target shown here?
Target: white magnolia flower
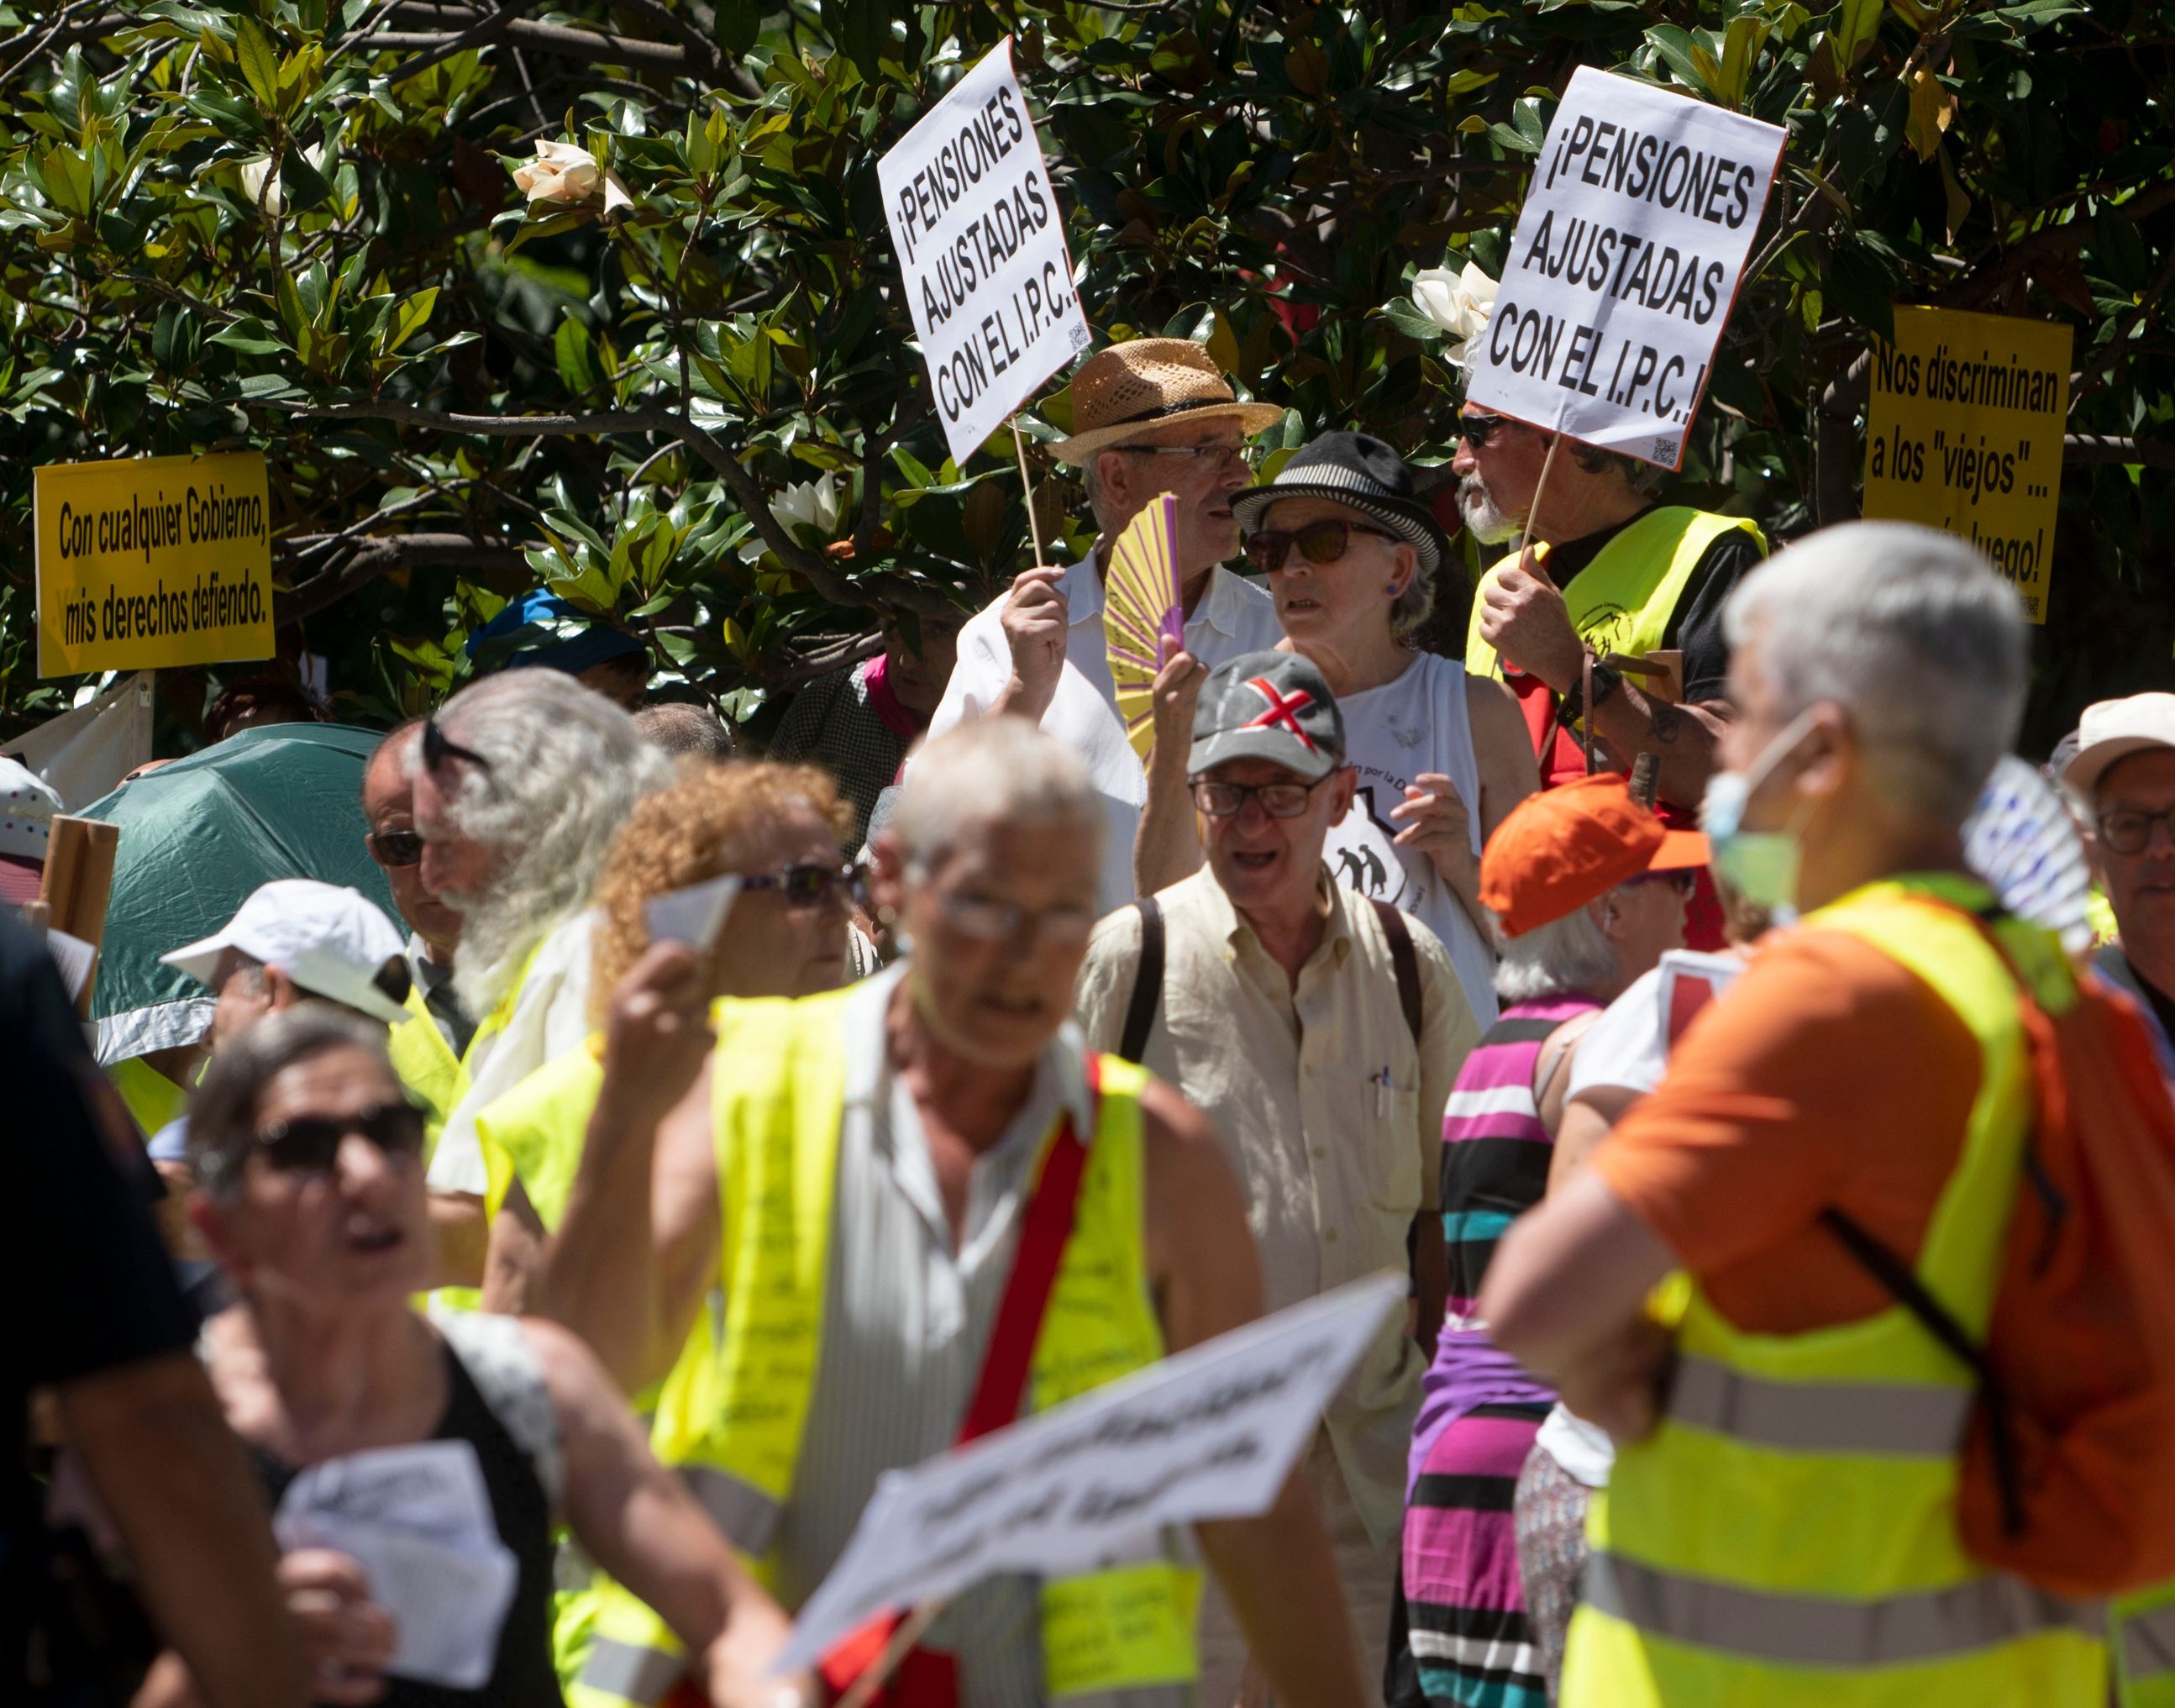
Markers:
(560, 172)
(813, 504)
(1459, 303)
(260, 181)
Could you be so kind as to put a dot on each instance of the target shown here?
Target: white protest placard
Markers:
(1626, 260)
(988, 276)
(1211, 1433)
(693, 915)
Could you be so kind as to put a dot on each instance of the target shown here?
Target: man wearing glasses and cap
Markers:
(1607, 571)
(1320, 1034)
(1150, 416)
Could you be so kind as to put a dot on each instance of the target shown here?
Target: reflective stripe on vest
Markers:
(1622, 602)
(1788, 1536)
(1869, 1418)
(2144, 1624)
(731, 1414)
(1821, 1630)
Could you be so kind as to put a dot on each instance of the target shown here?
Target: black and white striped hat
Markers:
(1360, 470)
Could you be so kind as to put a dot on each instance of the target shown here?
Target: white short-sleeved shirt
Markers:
(1235, 616)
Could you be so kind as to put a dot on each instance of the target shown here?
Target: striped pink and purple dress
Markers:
(1465, 1635)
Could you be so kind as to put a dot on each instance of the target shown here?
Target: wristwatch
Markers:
(1572, 708)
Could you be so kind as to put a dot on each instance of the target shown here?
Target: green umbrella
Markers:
(197, 838)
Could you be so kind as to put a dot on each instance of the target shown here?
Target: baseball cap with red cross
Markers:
(1271, 706)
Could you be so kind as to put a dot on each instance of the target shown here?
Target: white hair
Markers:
(567, 766)
(1913, 633)
(1091, 487)
(1565, 955)
(997, 769)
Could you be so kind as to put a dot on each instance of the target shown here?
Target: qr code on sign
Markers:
(1665, 451)
(1080, 336)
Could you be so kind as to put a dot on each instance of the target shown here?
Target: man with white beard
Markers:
(1608, 571)
(520, 783)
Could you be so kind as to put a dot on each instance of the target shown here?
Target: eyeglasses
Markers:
(394, 848)
(2128, 830)
(1683, 880)
(1475, 429)
(1213, 456)
(1320, 542)
(807, 885)
(1277, 800)
(437, 749)
(310, 1144)
(1004, 922)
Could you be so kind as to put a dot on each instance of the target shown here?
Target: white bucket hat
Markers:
(332, 941)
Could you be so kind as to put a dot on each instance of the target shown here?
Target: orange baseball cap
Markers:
(1565, 847)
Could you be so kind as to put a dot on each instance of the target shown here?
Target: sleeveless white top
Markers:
(1415, 725)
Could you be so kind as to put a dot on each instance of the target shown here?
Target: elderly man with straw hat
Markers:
(1150, 416)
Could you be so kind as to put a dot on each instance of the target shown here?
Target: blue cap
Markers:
(596, 642)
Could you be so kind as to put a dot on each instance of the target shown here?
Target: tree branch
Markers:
(808, 567)
(2098, 447)
(594, 44)
(375, 557)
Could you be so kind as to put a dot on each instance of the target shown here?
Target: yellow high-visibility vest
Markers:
(427, 1066)
(152, 1099)
(732, 1413)
(535, 1133)
(1623, 600)
(1788, 1536)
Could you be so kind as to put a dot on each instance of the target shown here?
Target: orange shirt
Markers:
(1829, 1076)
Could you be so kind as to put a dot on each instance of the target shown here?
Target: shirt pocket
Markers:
(1380, 1136)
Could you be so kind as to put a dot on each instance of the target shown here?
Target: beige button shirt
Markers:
(1331, 1115)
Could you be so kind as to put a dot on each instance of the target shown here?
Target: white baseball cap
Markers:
(330, 940)
(2113, 729)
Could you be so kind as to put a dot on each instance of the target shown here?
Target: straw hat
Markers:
(1150, 382)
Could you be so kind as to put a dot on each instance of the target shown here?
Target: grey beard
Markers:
(1482, 520)
(497, 932)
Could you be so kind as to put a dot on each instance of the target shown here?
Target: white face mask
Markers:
(1759, 866)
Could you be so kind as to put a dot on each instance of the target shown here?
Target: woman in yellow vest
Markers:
(1781, 1527)
(776, 827)
(846, 1179)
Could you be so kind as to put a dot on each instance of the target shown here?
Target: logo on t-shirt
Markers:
(1361, 852)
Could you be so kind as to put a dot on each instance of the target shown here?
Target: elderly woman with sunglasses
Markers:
(775, 829)
(1351, 558)
(311, 1192)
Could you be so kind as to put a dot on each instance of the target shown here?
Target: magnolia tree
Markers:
(605, 298)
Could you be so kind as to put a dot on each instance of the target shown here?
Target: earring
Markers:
(1391, 589)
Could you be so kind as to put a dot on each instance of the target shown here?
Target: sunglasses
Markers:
(310, 1144)
(437, 749)
(394, 848)
(1475, 429)
(808, 886)
(1322, 542)
(1683, 880)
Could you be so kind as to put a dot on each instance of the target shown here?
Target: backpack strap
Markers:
(1902, 1284)
(1406, 960)
(1147, 983)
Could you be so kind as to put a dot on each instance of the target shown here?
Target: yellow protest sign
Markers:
(1964, 434)
(151, 561)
